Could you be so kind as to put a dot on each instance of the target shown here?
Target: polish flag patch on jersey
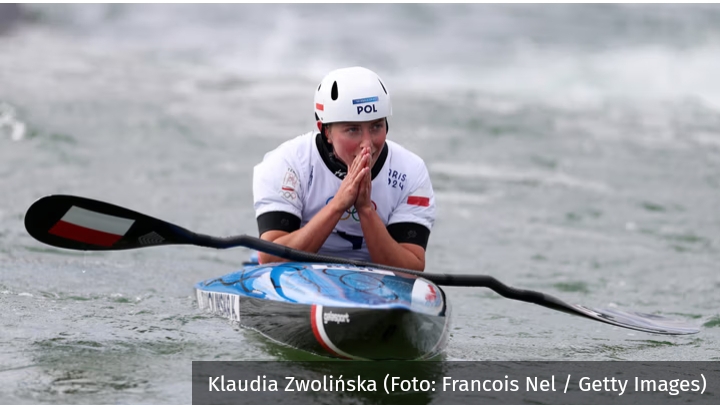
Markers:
(91, 227)
(420, 198)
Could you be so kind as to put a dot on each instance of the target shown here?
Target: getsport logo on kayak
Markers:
(337, 318)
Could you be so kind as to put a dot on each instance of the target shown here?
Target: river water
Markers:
(574, 150)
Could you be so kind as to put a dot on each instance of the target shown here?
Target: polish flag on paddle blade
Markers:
(420, 198)
(91, 227)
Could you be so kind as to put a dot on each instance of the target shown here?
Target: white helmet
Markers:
(351, 95)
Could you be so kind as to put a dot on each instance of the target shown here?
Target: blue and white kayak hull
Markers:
(334, 310)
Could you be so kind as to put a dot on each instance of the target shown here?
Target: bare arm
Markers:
(313, 235)
(309, 238)
(384, 249)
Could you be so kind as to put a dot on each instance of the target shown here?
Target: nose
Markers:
(366, 140)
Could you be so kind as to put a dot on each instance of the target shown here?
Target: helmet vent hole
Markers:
(383, 86)
(320, 85)
(334, 91)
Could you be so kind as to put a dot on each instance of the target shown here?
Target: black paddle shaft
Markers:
(80, 223)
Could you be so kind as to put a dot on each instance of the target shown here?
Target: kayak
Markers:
(334, 310)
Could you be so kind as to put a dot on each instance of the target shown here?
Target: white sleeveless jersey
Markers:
(293, 178)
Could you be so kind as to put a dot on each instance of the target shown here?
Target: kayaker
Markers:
(344, 190)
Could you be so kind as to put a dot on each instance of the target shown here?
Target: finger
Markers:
(357, 163)
(361, 175)
(366, 170)
(351, 174)
(366, 158)
(354, 171)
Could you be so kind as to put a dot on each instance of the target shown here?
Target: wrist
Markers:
(365, 210)
(336, 207)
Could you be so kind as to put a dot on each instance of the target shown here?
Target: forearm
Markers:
(383, 248)
(310, 237)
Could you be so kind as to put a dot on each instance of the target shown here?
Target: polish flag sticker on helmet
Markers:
(91, 227)
(365, 100)
(320, 106)
(420, 197)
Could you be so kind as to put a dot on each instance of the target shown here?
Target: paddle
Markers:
(83, 224)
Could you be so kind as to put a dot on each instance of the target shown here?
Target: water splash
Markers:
(9, 124)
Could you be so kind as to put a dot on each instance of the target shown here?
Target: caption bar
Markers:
(398, 384)
(653, 383)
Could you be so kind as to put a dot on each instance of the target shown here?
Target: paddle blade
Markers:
(638, 321)
(625, 319)
(80, 223)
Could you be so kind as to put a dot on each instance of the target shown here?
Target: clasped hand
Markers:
(356, 188)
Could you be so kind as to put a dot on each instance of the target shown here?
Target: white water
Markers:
(573, 152)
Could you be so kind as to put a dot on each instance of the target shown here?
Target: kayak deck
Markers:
(334, 310)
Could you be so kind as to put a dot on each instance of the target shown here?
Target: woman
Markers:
(345, 190)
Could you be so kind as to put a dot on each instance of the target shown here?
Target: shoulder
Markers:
(402, 157)
(293, 155)
(296, 149)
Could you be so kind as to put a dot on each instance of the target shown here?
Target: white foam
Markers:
(459, 48)
(584, 79)
(514, 175)
(10, 124)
